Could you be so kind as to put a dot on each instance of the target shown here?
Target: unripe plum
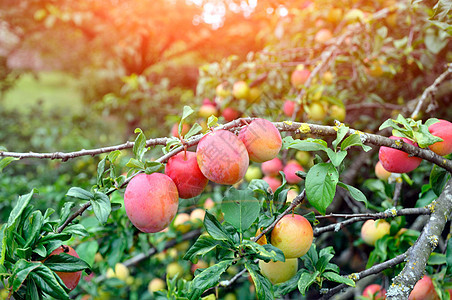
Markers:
(261, 139)
(222, 157)
(253, 172)
(180, 222)
(374, 292)
(442, 129)
(183, 169)
(273, 182)
(337, 113)
(374, 230)
(240, 90)
(397, 161)
(279, 271)
(304, 158)
(293, 234)
(151, 201)
(156, 284)
(222, 91)
(381, 173)
(174, 269)
(316, 111)
(272, 167)
(290, 169)
(70, 279)
(423, 290)
(197, 215)
(254, 96)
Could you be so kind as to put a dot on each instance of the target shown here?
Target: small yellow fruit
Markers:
(155, 285)
(179, 222)
(316, 111)
(174, 269)
(337, 113)
(121, 271)
(279, 271)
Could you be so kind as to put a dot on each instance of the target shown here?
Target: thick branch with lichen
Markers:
(419, 253)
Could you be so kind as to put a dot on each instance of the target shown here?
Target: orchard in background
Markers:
(225, 150)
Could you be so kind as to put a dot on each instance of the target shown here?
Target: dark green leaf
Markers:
(100, 171)
(341, 132)
(264, 288)
(449, 253)
(265, 252)
(101, 207)
(354, 140)
(76, 229)
(288, 286)
(32, 228)
(153, 166)
(354, 192)
(64, 262)
(215, 229)
(321, 186)
(49, 282)
(306, 280)
(65, 212)
(208, 278)
(259, 185)
(203, 245)
(331, 276)
(437, 259)
(240, 208)
(139, 147)
(438, 179)
(21, 270)
(79, 193)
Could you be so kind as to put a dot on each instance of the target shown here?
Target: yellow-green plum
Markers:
(397, 161)
(316, 111)
(279, 271)
(222, 157)
(304, 158)
(240, 90)
(261, 139)
(207, 109)
(290, 171)
(442, 129)
(254, 96)
(293, 234)
(174, 269)
(156, 284)
(272, 167)
(424, 290)
(181, 222)
(183, 169)
(381, 173)
(372, 230)
(197, 215)
(151, 201)
(253, 172)
(70, 279)
(222, 91)
(337, 112)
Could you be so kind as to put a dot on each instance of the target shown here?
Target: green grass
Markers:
(54, 89)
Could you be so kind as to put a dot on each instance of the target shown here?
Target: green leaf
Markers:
(331, 276)
(264, 288)
(153, 166)
(49, 282)
(134, 163)
(423, 136)
(309, 144)
(64, 262)
(306, 280)
(240, 208)
(65, 212)
(139, 147)
(288, 286)
(265, 252)
(195, 129)
(449, 253)
(208, 278)
(32, 228)
(354, 140)
(341, 132)
(438, 179)
(259, 185)
(6, 161)
(203, 245)
(212, 121)
(79, 193)
(101, 206)
(321, 186)
(112, 156)
(354, 192)
(215, 229)
(20, 272)
(436, 259)
(87, 250)
(187, 112)
(336, 157)
(101, 170)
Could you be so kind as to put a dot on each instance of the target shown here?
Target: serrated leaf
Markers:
(134, 163)
(331, 276)
(208, 278)
(306, 280)
(215, 229)
(101, 206)
(20, 272)
(79, 193)
(309, 144)
(354, 140)
(112, 156)
(240, 208)
(336, 157)
(424, 138)
(320, 186)
(6, 161)
(354, 192)
(203, 245)
(264, 288)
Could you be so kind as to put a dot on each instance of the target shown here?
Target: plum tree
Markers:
(290, 171)
(183, 169)
(272, 167)
(442, 129)
(279, 271)
(374, 292)
(293, 234)
(380, 172)
(261, 139)
(151, 201)
(373, 230)
(222, 157)
(70, 279)
(424, 289)
(397, 161)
